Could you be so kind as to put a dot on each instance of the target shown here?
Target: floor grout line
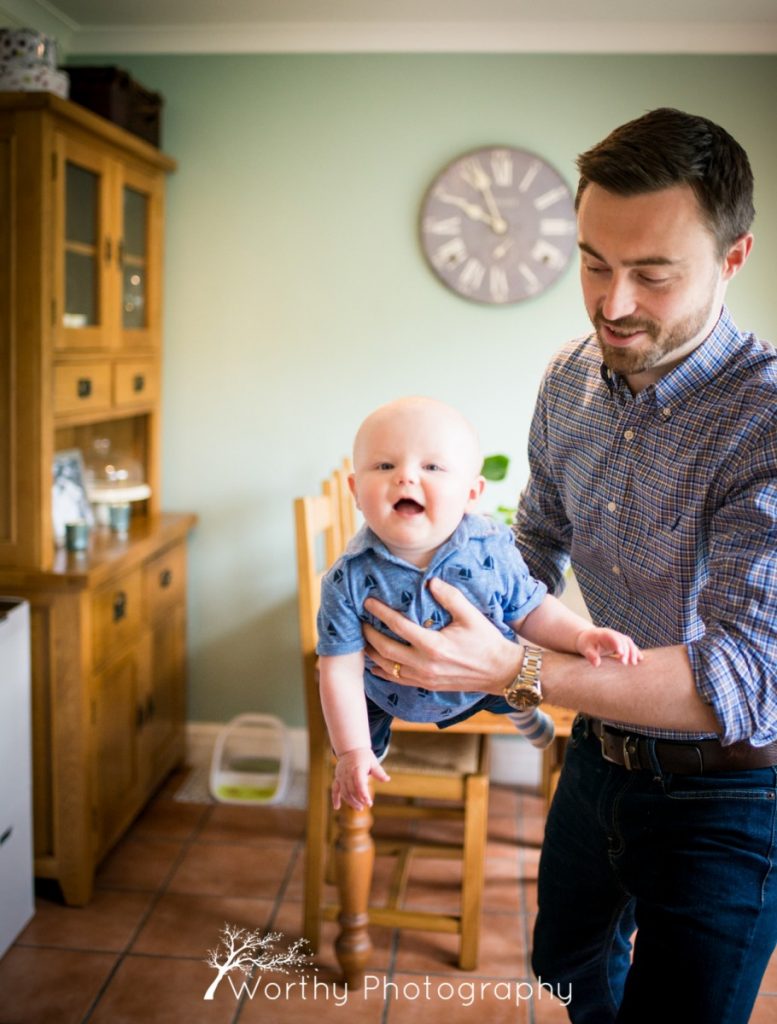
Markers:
(153, 903)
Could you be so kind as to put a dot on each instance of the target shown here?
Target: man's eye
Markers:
(595, 270)
(647, 279)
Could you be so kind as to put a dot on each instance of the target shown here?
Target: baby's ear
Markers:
(352, 486)
(476, 490)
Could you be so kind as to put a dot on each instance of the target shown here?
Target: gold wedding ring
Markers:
(396, 670)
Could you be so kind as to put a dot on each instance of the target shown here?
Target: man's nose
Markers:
(619, 298)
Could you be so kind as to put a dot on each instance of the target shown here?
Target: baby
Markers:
(416, 480)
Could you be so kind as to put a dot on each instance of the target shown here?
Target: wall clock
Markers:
(498, 225)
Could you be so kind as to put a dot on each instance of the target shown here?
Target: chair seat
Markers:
(452, 754)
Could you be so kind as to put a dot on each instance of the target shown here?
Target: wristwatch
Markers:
(525, 692)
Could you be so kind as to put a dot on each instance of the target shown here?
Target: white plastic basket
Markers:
(251, 761)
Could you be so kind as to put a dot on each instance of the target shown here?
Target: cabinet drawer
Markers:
(81, 387)
(135, 383)
(117, 614)
(164, 581)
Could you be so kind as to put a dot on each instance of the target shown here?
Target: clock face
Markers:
(498, 225)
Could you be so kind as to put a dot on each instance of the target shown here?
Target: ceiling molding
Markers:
(428, 37)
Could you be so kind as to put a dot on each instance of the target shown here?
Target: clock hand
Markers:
(481, 181)
(473, 211)
(501, 249)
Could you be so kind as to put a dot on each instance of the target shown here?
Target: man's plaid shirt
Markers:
(667, 503)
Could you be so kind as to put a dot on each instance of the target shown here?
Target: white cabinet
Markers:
(17, 903)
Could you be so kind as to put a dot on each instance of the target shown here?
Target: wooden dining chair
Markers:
(438, 776)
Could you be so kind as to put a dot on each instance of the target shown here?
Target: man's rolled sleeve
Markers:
(735, 662)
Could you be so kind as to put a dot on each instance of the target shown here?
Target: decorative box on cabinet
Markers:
(80, 350)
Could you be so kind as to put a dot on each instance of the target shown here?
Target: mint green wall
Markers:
(297, 298)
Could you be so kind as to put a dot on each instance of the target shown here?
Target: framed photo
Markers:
(69, 502)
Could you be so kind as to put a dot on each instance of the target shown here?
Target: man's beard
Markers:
(662, 340)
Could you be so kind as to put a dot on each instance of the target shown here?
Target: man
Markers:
(653, 455)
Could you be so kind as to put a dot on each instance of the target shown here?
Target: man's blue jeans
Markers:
(686, 860)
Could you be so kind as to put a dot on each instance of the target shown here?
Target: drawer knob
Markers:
(84, 387)
(165, 577)
(138, 383)
(6, 835)
(119, 606)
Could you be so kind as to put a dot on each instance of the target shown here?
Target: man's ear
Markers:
(352, 487)
(737, 256)
(475, 491)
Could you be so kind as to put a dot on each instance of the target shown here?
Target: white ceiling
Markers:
(202, 26)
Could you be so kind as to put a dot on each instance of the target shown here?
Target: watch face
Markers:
(523, 697)
(498, 225)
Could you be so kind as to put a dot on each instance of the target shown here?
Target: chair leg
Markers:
(354, 861)
(315, 850)
(473, 870)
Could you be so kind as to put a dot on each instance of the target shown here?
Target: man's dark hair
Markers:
(668, 147)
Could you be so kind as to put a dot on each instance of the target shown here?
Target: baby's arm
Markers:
(553, 625)
(341, 685)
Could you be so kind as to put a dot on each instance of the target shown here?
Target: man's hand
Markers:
(595, 644)
(353, 769)
(468, 654)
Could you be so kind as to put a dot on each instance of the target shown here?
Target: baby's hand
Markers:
(353, 769)
(595, 644)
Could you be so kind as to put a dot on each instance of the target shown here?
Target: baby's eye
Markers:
(433, 467)
(384, 466)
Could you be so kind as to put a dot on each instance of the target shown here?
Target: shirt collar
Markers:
(696, 370)
(471, 527)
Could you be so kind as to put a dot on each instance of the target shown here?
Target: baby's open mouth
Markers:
(407, 506)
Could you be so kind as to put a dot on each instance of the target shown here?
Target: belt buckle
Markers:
(627, 746)
(631, 750)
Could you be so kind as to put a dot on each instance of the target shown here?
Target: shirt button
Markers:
(611, 506)
(428, 623)
(629, 435)
(616, 571)
(666, 412)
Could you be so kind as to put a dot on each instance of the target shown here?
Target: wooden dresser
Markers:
(81, 233)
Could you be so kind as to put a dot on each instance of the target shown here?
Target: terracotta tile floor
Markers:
(136, 954)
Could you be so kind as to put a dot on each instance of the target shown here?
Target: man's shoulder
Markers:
(749, 381)
(580, 357)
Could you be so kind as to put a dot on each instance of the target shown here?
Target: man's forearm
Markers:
(659, 692)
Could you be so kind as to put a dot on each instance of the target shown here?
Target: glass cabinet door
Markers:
(140, 202)
(134, 259)
(82, 304)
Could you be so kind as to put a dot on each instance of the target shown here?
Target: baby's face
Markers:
(416, 472)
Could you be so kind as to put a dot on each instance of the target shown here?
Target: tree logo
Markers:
(246, 951)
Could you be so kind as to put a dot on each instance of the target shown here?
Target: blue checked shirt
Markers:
(666, 502)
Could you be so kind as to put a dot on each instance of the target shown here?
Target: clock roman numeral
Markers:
(530, 174)
(444, 226)
(557, 226)
(531, 279)
(473, 174)
(497, 284)
(472, 275)
(550, 197)
(544, 252)
(502, 168)
(450, 254)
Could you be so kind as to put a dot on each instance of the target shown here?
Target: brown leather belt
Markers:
(681, 757)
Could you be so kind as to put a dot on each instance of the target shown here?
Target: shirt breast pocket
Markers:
(665, 544)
